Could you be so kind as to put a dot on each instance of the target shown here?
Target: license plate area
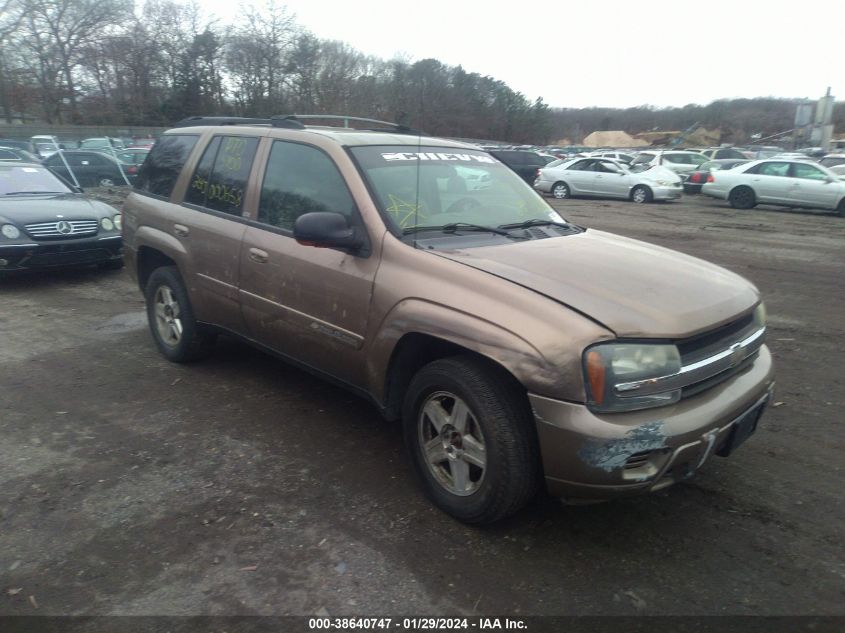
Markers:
(742, 429)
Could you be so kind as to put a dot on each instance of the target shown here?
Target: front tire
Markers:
(171, 318)
(470, 431)
(641, 194)
(742, 198)
(840, 208)
(560, 191)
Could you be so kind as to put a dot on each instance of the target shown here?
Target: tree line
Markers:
(110, 62)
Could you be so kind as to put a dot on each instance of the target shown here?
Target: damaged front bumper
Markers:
(590, 456)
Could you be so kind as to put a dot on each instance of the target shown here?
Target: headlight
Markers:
(118, 221)
(10, 231)
(107, 224)
(610, 368)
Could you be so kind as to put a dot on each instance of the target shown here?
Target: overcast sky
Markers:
(581, 53)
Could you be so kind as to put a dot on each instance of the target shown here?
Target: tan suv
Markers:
(518, 349)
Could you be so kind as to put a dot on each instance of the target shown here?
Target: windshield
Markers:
(436, 186)
(18, 179)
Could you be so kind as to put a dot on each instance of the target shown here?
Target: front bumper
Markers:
(590, 456)
(667, 193)
(57, 253)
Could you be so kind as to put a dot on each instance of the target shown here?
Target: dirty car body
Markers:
(452, 307)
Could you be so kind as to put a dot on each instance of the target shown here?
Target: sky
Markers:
(586, 53)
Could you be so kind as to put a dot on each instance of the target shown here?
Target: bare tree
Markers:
(62, 29)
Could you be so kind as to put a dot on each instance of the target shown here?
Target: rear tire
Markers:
(560, 191)
(171, 318)
(105, 181)
(470, 432)
(641, 194)
(742, 198)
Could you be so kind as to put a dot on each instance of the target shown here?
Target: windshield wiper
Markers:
(452, 227)
(536, 222)
(27, 193)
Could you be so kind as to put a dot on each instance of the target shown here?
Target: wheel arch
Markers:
(155, 248)
(416, 333)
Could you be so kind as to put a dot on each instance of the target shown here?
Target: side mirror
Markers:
(326, 230)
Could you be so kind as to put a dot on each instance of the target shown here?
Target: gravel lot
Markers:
(129, 485)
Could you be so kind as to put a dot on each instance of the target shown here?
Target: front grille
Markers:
(62, 228)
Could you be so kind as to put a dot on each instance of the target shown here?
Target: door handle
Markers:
(180, 230)
(258, 256)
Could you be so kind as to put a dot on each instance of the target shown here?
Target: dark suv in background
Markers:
(523, 162)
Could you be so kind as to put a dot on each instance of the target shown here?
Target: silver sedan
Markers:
(603, 177)
(793, 183)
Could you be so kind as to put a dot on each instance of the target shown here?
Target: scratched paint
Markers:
(610, 455)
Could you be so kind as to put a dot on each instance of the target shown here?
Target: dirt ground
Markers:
(239, 485)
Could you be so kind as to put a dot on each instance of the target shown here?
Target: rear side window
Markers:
(160, 171)
(301, 179)
(221, 177)
(643, 158)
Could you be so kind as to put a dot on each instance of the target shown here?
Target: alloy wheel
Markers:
(452, 443)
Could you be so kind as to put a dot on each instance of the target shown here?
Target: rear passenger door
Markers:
(211, 228)
(580, 176)
(310, 304)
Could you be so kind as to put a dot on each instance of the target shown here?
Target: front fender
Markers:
(511, 351)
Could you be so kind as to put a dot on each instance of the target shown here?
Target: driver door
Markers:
(310, 304)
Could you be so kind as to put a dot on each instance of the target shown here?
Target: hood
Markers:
(635, 289)
(43, 208)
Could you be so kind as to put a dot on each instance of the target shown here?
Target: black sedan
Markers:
(698, 177)
(90, 168)
(44, 223)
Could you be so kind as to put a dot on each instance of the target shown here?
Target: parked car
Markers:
(89, 169)
(133, 158)
(697, 178)
(14, 153)
(603, 177)
(833, 160)
(622, 157)
(24, 145)
(44, 223)
(512, 344)
(679, 161)
(792, 183)
(46, 145)
(717, 153)
(102, 143)
(523, 162)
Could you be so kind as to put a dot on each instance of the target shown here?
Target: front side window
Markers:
(160, 171)
(809, 172)
(301, 179)
(420, 187)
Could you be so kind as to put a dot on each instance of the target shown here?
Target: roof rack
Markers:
(294, 121)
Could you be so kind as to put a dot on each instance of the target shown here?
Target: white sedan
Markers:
(792, 183)
(603, 177)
